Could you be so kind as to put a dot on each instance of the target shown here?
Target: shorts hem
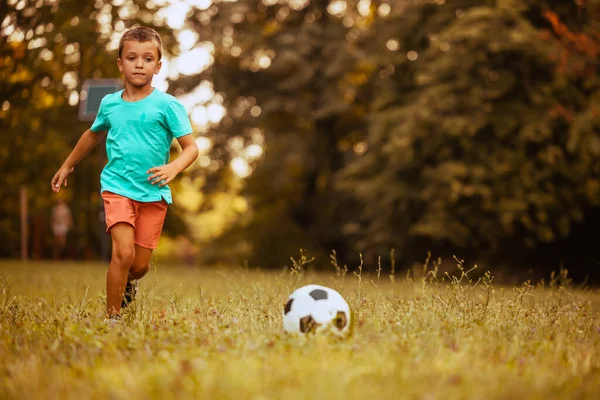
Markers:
(145, 246)
(118, 222)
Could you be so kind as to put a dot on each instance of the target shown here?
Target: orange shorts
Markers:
(147, 218)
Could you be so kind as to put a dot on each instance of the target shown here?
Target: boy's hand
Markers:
(60, 177)
(162, 175)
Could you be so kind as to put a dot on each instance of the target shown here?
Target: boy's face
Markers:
(139, 62)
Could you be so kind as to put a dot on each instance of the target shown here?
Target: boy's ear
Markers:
(120, 64)
(158, 66)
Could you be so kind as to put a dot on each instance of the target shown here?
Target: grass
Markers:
(217, 334)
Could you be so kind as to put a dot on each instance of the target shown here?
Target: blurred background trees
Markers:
(477, 134)
(453, 126)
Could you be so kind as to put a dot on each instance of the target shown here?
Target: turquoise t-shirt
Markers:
(139, 138)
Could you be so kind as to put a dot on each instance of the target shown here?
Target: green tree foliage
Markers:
(479, 117)
(484, 130)
(47, 49)
(294, 77)
(385, 124)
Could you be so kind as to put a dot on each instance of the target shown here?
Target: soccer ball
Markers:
(315, 308)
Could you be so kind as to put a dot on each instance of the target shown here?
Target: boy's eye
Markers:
(130, 58)
(148, 59)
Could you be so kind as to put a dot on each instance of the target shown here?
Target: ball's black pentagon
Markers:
(288, 306)
(340, 320)
(308, 324)
(318, 294)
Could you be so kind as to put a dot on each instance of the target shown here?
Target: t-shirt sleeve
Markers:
(101, 122)
(177, 119)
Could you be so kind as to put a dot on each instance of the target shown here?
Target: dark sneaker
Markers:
(130, 292)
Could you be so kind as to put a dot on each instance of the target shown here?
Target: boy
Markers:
(141, 122)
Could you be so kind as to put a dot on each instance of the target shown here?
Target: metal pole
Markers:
(24, 225)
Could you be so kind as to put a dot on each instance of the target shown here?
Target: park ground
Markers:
(216, 333)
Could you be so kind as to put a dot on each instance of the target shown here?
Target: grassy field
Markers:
(217, 334)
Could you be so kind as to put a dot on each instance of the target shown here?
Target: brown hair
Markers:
(142, 34)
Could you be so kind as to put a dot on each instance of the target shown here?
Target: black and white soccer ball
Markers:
(315, 308)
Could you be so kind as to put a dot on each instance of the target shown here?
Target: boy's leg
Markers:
(141, 263)
(123, 256)
(139, 268)
(148, 227)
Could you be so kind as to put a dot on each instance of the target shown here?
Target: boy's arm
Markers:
(164, 174)
(189, 152)
(86, 143)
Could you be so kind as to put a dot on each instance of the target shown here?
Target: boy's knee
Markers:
(124, 255)
(137, 271)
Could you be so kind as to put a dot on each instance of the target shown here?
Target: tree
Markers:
(294, 81)
(480, 138)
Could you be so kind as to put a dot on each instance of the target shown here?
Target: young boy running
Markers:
(141, 122)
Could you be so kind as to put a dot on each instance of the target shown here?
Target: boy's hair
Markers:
(142, 34)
